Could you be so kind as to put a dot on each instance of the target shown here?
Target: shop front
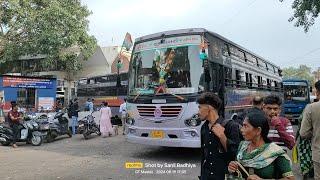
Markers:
(37, 93)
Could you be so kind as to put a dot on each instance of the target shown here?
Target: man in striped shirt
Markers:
(281, 131)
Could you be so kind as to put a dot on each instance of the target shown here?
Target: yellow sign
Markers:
(157, 134)
(134, 165)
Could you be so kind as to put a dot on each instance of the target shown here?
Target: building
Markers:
(103, 61)
(28, 92)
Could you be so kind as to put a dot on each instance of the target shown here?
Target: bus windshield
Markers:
(296, 92)
(175, 69)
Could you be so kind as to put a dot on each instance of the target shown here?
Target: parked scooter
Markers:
(28, 132)
(57, 127)
(87, 126)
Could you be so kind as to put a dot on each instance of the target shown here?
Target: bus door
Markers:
(214, 80)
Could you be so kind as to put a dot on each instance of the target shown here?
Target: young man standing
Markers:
(309, 129)
(14, 118)
(219, 139)
(74, 114)
(281, 130)
(123, 111)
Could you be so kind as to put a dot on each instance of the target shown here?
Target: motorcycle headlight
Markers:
(193, 121)
(130, 121)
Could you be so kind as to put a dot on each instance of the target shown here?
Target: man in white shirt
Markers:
(123, 111)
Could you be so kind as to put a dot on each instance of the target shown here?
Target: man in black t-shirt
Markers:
(219, 139)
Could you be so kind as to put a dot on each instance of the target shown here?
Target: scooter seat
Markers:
(5, 124)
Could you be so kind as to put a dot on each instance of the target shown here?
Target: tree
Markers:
(302, 72)
(54, 28)
(305, 13)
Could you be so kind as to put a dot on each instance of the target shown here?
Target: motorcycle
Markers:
(28, 132)
(56, 127)
(87, 126)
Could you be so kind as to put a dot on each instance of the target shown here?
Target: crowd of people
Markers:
(16, 115)
(254, 145)
(105, 115)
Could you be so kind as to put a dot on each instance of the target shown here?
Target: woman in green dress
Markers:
(260, 157)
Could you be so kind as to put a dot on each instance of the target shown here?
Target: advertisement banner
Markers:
(24, 82)
(45, 103)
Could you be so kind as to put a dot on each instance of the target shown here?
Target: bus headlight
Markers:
(193, 121)
(130, 121)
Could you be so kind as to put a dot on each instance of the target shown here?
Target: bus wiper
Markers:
(135, 98)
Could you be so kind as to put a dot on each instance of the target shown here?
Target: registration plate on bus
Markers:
(157, 134)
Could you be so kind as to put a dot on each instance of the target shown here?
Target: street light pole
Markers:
(118, 75)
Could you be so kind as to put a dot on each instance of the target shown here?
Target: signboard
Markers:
(294, 83)
(45, 103)
(169, 42)
(25, 82)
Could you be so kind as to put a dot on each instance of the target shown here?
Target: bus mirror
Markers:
(311, 89)
(203, 55)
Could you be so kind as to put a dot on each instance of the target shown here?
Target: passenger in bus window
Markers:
(219, 138)
(281, 130)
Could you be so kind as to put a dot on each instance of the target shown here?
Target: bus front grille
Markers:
(166, 111)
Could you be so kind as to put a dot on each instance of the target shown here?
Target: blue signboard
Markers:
(26, 82)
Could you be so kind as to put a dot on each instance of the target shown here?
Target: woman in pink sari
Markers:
(105, 120)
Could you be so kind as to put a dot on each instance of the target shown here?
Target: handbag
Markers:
(295, 154)
(238, 172)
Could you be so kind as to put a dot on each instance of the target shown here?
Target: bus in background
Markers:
(103, 88)
(168, 72)
(296, 97)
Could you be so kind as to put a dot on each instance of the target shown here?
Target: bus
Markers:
(168, 72)
(104, 88)
(296, 97)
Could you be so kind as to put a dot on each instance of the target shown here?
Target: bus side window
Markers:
(228, 76)
(249, 80)
(260, 84)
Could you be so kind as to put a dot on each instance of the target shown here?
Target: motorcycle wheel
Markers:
(50, 138)
(5, 143)
(36, 140)
(86, 134)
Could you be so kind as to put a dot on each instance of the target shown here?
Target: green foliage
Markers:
(305, 13)
(55, 28)
(302, 72)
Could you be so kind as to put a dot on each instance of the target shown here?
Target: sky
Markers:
(260, 26)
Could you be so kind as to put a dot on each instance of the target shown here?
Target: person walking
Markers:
(91, 105)
(281, 130)
(260, 157)
(219, 139)
(105, 120)
(309, 130)
(74, 114)
(123, 111)
(2, 116)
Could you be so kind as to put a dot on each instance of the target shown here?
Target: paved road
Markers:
(97, 158)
